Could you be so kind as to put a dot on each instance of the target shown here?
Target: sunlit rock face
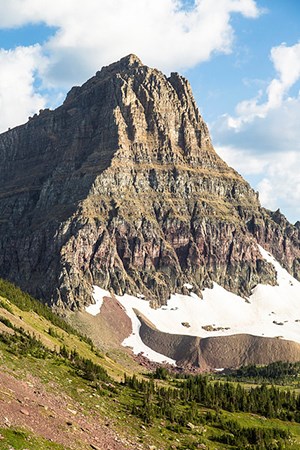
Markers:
(120, 187)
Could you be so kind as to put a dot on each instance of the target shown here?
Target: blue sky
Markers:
(242, 58)
(226, 79)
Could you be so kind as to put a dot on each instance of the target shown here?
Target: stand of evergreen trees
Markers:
(242, 438)
(183, 404)
(270, 402)
(278, 372)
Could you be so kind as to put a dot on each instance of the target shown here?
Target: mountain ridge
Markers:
(121, 187)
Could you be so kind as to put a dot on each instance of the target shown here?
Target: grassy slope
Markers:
(106, 402)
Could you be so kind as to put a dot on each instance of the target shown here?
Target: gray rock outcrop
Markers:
(121, 187)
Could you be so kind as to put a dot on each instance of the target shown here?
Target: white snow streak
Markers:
(98, 295)
(134, 340)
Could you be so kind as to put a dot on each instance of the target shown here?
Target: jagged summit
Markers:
(124, 63)
(121, 187)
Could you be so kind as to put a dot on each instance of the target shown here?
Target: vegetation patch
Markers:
(255, 408)
(281, 373)
(17, 439)
(26, 302)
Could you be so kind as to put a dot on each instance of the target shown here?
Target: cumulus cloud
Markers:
(278, 131)
(276, 176)
(262, 141)
(93, 33)
(280, 184)
(268, 157)
(286, 61)
(18, 98)
(162, 33)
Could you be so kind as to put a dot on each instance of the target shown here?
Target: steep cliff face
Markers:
(121, 187)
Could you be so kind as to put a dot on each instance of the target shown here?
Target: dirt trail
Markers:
(56, 417)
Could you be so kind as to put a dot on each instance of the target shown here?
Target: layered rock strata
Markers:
(121, 187)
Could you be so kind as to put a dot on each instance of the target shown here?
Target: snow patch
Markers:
(270, 311)
(223, 313)
(134, 340)
(98, 295)
(188, 285)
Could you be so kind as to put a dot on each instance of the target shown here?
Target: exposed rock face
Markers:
(121, 187)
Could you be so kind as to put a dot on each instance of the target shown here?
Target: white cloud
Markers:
(263, 140)
(92, 33)
(276, 176)
(242, 160)
(286, 61)
(280, 184)
(18, 99)
(278, 131)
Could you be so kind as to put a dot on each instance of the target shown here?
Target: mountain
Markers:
(121, 188)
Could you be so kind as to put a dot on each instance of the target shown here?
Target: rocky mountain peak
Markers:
(121, 187)
(126, 63)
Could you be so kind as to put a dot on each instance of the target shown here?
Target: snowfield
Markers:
(270, 311)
